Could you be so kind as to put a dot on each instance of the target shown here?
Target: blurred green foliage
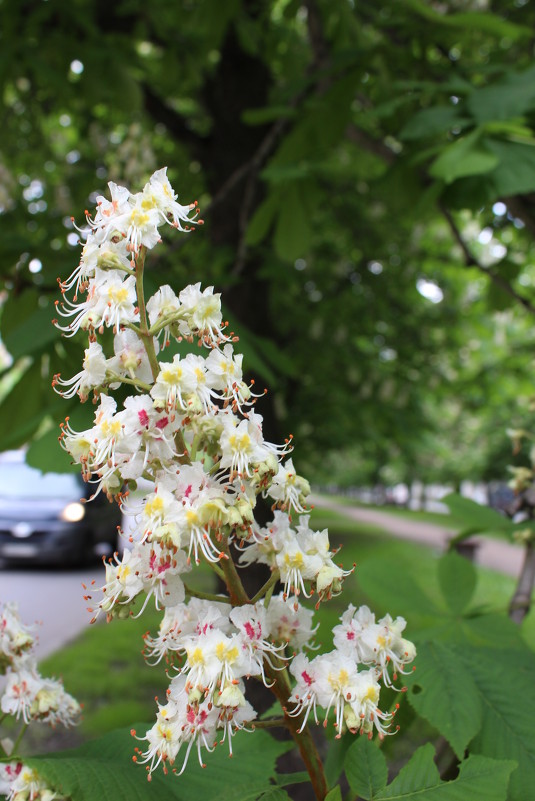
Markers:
(366, 173)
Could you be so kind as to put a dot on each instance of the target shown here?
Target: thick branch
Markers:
(521, 600)
(471, 261)
(368, 143)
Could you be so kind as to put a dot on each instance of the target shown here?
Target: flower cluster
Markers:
(20, 783)
(29, 697)
(186, 458)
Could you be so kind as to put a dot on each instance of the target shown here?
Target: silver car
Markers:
(44, 517)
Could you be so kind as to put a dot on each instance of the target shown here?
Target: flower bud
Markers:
(231, 696)
(109, 260)
(214, 513)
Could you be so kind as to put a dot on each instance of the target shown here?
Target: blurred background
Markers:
(366, 173)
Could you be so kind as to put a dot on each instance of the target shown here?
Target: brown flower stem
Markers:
(206, 596)
(301, 736)
(235, 588)
(17, 742)
(270, 583)
(274, 723)
(144, 332)
(147, 337)
(280, 687)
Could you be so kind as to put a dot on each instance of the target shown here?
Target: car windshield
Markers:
(18, 480)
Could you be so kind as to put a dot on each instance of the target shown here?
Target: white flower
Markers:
(202, 314)
(19, 694)
(90, 377)
(288, 488)
(109, 210)
(16, 639)
(241, 446)
(21, 783)
(289, 624)
(130, 357)
(348, 636)
(175, 381)
(139, 225)
(305, 695)
(159, 194)
(361, 712)
(163, 309)
(384, 646)
(111, 301)
(251, 622)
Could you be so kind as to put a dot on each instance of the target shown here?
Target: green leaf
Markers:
(260, 116)
(46, 454)
(102, 770)
(497, 298)
(476, 518)
(515, 173)
(468, 155)
(430, 122)
(293, 231)
(275, 794)
(282, 173)
(470, 20)
(21, 411)
(505, 686)
(511, 97)
(334, 795)
(387, 582)
(334, 762)
(443, 692)
(26, 326)
(261, 220)
(458, 579)
(479, 779)
(366, 769)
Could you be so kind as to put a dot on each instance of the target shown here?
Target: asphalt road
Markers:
(51, 597)
(492, 553)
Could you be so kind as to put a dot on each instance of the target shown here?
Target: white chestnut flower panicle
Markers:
(29, 698)
(21, 783)
(183, 452)
(16, 639)
(375, 643)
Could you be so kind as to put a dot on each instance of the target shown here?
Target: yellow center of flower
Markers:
(154, 506)
(225, 654)
(139, 219)
(118, 295)
(172, 376)
(239, 444)
(192, 518)
(294, 560)
(196, 657)
(372, 694)
(338, 680)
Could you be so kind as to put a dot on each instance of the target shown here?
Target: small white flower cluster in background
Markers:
(189, 431)
(28, 697)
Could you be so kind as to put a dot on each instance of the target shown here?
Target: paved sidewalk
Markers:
(490, 552)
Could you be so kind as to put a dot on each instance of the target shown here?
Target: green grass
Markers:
(105, 670)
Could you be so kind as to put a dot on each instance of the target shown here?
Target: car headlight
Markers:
(73, 512)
